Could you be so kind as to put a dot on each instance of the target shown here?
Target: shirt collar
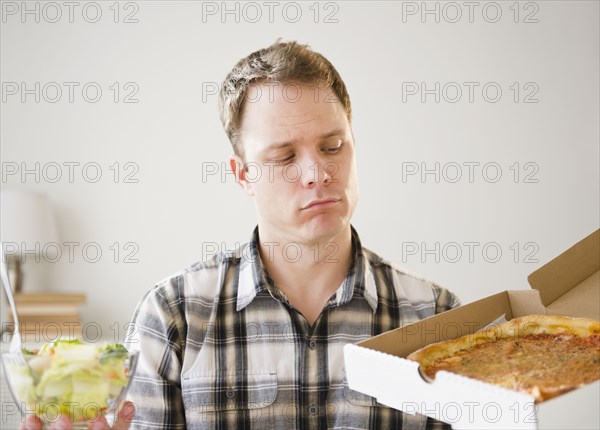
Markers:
(253, 278)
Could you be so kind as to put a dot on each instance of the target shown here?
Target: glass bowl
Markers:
(83, 381)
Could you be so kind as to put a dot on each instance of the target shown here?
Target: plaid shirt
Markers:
(221, 347)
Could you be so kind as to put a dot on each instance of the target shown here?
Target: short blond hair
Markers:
(282, 62)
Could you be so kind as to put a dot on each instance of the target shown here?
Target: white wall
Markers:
(172, 134)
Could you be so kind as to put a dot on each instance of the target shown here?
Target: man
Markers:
(253, 338)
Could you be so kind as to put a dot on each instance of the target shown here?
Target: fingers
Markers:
(62, 423)
(123, 421)
(125, 416)
(32, 423)
(99, 423)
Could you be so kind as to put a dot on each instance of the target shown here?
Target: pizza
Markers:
(543, 355)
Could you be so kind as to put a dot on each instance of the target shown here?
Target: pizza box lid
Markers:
(570, 283)
(377, 367)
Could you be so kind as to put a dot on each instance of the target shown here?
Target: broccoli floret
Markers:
(112, 351)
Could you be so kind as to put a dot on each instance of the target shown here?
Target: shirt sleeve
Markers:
(157, 333)
(444, 299)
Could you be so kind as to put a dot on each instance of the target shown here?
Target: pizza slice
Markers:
(543, 355)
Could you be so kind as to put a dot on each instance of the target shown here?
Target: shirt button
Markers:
(312, 344)
(312, 409)
(230, 394)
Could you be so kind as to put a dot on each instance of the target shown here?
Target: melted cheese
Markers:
(543, 365)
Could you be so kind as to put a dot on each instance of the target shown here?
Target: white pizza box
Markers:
(567, 285)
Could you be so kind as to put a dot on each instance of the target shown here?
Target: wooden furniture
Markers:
(48, 316)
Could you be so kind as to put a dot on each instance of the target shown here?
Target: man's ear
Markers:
(238, 168)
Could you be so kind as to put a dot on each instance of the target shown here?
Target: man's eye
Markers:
(333, 149)
(284, 160)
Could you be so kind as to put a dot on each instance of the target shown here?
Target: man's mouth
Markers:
(321, 203)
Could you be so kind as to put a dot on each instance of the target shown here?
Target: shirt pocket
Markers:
(214, 392)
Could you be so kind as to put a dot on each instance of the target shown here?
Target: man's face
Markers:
(299, 155)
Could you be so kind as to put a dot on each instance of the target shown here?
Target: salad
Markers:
(70, 377)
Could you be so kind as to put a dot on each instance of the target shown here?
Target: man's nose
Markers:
(314, 173)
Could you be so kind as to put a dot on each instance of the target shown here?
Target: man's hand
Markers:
(63, 423)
